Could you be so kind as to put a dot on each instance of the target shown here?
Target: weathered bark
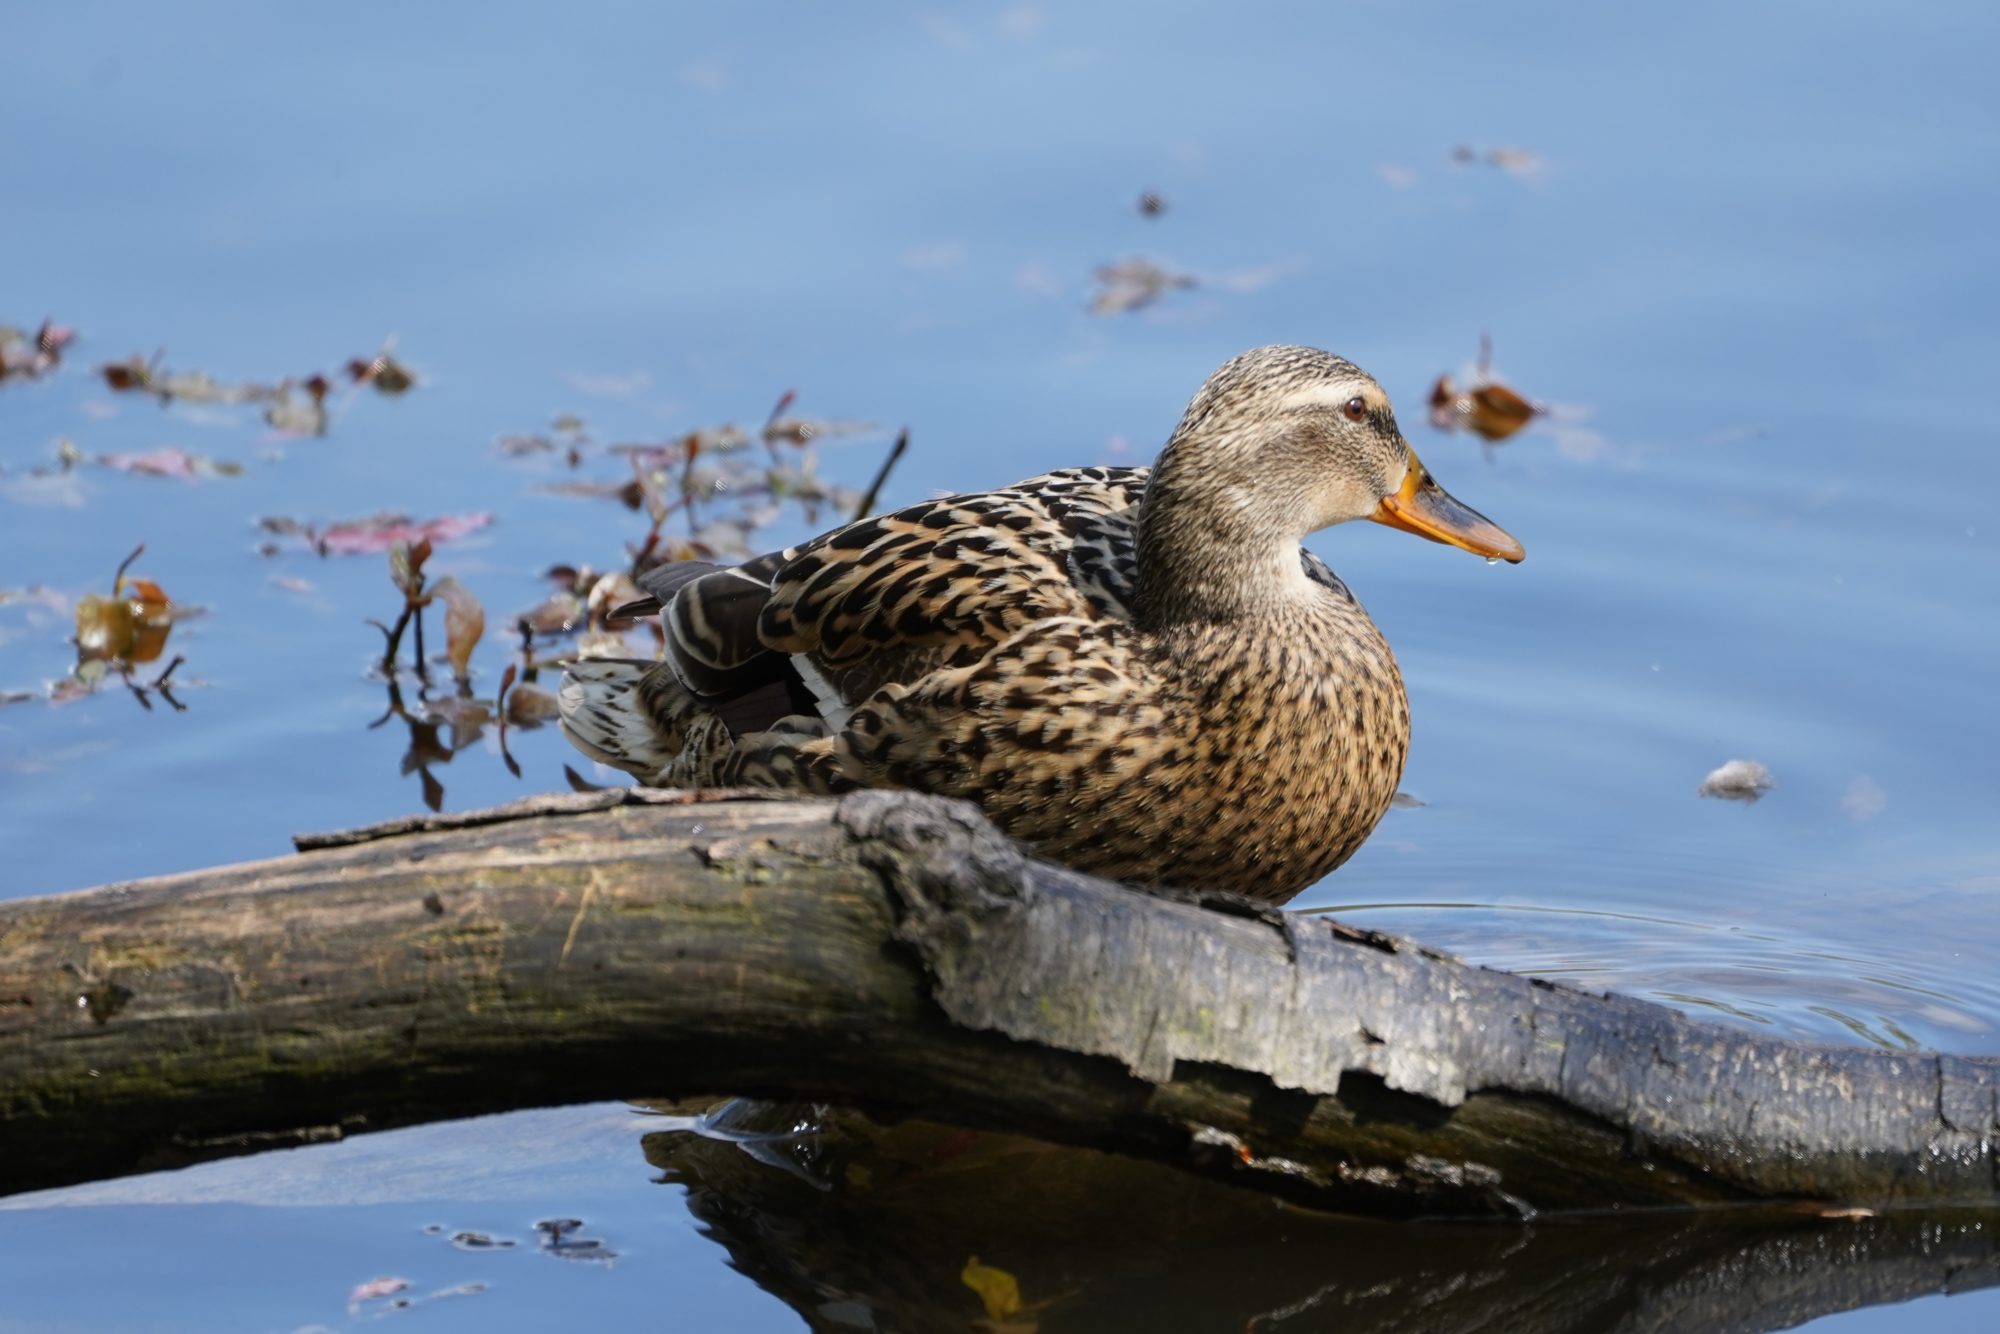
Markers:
(895, 953)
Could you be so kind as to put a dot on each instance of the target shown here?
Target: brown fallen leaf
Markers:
(104, 630)
(130, 626)
(152, 619)
(383, 371)
(1486, 407)
(610, 593)
(464, 623)
(531, 706)
(406, 566)
(557, 614)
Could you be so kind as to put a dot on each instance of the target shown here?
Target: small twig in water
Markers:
(867, 505)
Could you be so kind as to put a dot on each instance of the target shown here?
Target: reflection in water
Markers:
(860, 1227)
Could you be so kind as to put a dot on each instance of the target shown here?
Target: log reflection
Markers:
(858, 1226)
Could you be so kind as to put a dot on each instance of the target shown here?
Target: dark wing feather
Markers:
(710, 616)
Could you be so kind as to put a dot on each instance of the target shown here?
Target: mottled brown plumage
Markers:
(1138, 672)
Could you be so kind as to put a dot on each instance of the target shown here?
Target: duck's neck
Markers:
(1214, 551)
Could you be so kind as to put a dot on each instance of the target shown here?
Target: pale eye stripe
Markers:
(1326, 396)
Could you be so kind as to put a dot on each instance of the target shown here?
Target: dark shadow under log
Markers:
(894, 953)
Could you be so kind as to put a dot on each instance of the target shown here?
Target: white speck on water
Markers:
(1737, 780)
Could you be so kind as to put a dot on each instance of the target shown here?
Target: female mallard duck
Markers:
(1137, 672)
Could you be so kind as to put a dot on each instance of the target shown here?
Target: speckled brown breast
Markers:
(1254, 764)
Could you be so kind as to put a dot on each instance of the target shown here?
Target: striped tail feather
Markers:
(603, 704)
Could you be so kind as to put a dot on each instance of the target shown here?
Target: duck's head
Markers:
(1289, 440)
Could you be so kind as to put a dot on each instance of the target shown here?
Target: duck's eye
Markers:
(1355, 409)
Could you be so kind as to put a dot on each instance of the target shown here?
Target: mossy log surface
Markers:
(893, 952)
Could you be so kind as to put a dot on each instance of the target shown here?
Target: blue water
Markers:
(1749, 268)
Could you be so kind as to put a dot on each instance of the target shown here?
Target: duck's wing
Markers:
(817, 627)
(936, 582)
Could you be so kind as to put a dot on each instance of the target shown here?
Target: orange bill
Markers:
(1423, 507)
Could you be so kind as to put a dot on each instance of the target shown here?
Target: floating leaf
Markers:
(379, 532)
(611, 592)
(171, 461)
(999, 1291)
(103, 628)
(805, 430)
(1133, 284)
(152, 619)
(1514, 161)
(388, 375)
(406, 565)
(137, 374)
(131, 626)
(1486, 407)
(296, 414)
(1737, 780)
(531, 706)
(466, 717)
(38, 595)
(376, 1288)
(629, 494)
(464, 623)
(26, 358)
(558, 614)
(125, 376)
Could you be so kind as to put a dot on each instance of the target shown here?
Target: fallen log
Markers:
(893, 952)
